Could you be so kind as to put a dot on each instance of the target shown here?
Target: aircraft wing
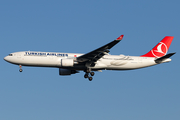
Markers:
(95, 55)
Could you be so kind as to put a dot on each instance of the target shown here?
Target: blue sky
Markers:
(82, 26)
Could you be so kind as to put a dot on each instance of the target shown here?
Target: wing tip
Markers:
(120, 37)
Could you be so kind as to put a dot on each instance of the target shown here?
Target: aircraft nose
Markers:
(5, 58)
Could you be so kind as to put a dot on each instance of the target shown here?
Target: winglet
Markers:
(120, 37)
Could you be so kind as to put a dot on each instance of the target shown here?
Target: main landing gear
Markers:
(20, 70)
(88, 71)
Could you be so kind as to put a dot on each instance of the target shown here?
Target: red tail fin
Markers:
(161, 48)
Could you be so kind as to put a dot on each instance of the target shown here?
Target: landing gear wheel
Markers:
(90, 78)
(92, 73)
(86, 76)
(88, 71)
(20, 70)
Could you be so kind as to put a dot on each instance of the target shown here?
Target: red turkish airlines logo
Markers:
(160, 50)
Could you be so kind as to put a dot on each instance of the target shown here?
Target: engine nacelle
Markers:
(66, 71)
(67, 62)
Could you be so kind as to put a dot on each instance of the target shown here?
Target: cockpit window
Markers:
(10, 54)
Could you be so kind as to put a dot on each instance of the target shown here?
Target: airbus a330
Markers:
(96, 60)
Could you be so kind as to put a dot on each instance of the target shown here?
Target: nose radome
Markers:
(5, 58)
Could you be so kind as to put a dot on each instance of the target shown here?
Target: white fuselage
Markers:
(53, 59)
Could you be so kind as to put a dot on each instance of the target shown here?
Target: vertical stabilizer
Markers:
(161, 48)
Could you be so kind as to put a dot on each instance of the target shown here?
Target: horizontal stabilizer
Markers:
(161, 59)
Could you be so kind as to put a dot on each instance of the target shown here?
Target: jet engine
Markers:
(67, 62)
(66, 71)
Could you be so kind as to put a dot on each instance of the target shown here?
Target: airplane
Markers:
(96, 60)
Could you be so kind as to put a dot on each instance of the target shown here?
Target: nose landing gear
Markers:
(20, 70)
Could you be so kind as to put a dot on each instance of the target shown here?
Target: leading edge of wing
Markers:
(94, 55)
